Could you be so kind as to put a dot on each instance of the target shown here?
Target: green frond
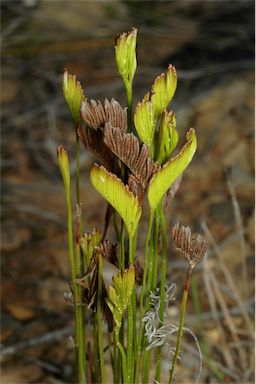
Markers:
(165, 176)
(73, 94)
(118, 195)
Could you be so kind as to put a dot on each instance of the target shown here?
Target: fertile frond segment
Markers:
(119, 294)
(125, 48)
(165, 176)
(167, 137)
(193, 246)
(93, 141)
(118, 195)
(127, 148)
(163, 90)
(96, 115)
(144, 121)
(73, 94)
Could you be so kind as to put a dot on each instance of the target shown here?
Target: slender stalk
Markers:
(142, 296)
(162, 286)
(78, 170)
(130, 357)
(122, 246)
(128, 87)
(80, 270)
(181, 324)
(156, 253)
(79, 330)
(152, 281)
(99, 323)
(115, 365)
(131, 324)
(95, 350)
(123, 355)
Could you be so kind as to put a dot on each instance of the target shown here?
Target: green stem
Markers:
(156, 253)
(115, 365)
(95, 350)
(162, 286)
(79, 330)
(131, 336)
(77, 169)
(123, 355)
(142, 296)
(99, 323)
(152, 282)
(79, 272)
(122, 246)
(181, 324)
(130, 359)
(128, 87)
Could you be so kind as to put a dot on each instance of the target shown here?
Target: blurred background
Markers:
(211, 44)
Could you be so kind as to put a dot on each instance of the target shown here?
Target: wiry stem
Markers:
(99, 323)
(142, 296)
(123, 355)
(79, 330)
(79, 272)
(128, 87)
(162, 286)
(152, 280)
(131, 323)
(181, 324)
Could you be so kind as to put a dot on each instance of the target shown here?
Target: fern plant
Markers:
(134, 162)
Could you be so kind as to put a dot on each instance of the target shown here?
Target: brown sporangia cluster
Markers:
(96, 115)
(137, 158)
(193, 246)
(105, 135)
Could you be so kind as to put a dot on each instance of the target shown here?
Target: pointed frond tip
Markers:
(163, 90)
(73, 94)
(166, 176)
(118, 195)
(125, 47)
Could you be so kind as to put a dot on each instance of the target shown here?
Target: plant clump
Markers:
(134, 153)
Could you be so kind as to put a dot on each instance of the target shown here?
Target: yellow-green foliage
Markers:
(163, 90)
(118, 195)
(74, 96)
(144, 121)
(63, 162)
(167, 137)
(119, 294)
(165, 176)
(126, 55)
(88, 242)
